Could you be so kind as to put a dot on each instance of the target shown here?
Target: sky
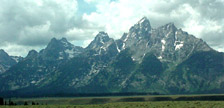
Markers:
(31, 24)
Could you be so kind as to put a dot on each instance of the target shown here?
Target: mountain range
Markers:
(164, 60)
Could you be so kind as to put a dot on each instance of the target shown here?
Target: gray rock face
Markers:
(175, 44)
(137, 38)
(60, 50)
(104, 46)
(167, 42)
(100, 39)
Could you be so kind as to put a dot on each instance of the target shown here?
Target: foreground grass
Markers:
(162, 104)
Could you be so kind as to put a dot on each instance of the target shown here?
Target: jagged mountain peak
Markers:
(53, 40)
(168, 29)
(167, 42)
(144, 20)
(138, 34)
(60, 49)
(32, 53)
(65, 42)
(103, 45)
(3, 53)
(142, 25)
(102, 34)
(175, 44)
(62, 42)
(63, 39)
(141, 29)
(1, 50)
(100, 39)
(170, 26)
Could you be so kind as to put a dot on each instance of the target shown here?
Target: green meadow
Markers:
(175, 101)
(162, 104)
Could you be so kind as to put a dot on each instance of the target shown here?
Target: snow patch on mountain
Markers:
(168, 34)
(142, 20)
(118, 50)
(101, 41)
(33, 82)
(65, 43)
(160, 57)
(178, 44)
(133, 58)
(16, 59)
(126, 38)
(163, 44)
(70, 53)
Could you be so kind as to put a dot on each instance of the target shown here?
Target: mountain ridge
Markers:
(146, 59)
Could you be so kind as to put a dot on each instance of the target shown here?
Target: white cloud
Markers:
(32, 23)
(19, 50)
(200, 18)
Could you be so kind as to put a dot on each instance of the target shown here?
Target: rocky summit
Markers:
(163, 60)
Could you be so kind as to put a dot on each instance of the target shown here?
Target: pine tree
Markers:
(25, 103)
(1, 101)
(33, 103)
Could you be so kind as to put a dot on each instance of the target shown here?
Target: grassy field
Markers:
(162, 104)
(114, 99)
(175, 101)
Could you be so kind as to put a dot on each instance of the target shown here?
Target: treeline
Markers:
(101, 94)
(11, 103)
(1, 101)
(35, 95)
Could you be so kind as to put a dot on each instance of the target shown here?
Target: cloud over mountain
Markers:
(26, 24)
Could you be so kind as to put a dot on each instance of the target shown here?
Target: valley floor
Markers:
(156, 101)
(161, 104)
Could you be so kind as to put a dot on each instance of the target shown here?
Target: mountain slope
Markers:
(79, 72)
(7, 61)
(203, 72)
(38, 68)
